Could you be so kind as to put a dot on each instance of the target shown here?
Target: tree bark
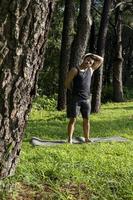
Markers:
(79, 44)
(67, 38)
(109, 54)
(24, 28)
(92, 39)
(118, 60)
(98, 74)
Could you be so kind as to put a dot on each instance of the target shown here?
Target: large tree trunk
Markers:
(98, 74)
(118, 60)
(67, 38)
(24, 28)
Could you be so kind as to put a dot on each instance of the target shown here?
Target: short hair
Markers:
(88, 55)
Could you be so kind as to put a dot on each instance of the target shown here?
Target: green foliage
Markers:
(46, 103)
(128, 93)
(107, 94)
(48, 79)
(77, 171)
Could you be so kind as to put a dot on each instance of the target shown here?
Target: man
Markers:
(80, 79)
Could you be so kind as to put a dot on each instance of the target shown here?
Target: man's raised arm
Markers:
(98, 60)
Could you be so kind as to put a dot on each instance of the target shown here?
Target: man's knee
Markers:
(86, 120)
(72, 120)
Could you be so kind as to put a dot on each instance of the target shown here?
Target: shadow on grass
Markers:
(50, 129)
(118, 108)
(118, 127)
(55, 129)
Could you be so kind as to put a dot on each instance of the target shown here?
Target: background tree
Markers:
(24, 27)
(113, 53)
(118, 59)
(92, 39)
(80, 41)
(127, 43)
(97, 84)
(67, 38)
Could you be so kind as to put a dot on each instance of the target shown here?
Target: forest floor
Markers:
(96, 171)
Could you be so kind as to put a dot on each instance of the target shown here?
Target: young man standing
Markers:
(80, 78)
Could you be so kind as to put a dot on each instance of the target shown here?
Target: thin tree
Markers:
(24, 28)
(118, 59)
(67, 38)
(121, 9)
(92, 38)
(98, 74)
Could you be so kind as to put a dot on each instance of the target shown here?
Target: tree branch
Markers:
(119, 4)
(128, 26)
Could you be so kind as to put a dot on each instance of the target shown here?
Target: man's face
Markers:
(88, 61)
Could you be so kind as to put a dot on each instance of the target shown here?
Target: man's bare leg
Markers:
(86, 129)
(70, 129)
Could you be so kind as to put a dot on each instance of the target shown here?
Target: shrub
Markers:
(46, 103)
(107, 93)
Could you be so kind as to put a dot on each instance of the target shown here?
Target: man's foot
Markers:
(70, 141)
(87, 140)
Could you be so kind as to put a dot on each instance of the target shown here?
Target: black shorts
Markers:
(79, 105)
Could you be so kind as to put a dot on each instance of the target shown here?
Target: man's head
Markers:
(88, 60)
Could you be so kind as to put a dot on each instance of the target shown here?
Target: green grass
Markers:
(98, 171)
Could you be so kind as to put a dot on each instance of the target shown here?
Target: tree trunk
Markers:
(127, 44)
(67, 38)
(118, 60)
(97, 85)
(83, 31)
(109, 54)
(24, 28)
(80, 40)
(92, 39)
